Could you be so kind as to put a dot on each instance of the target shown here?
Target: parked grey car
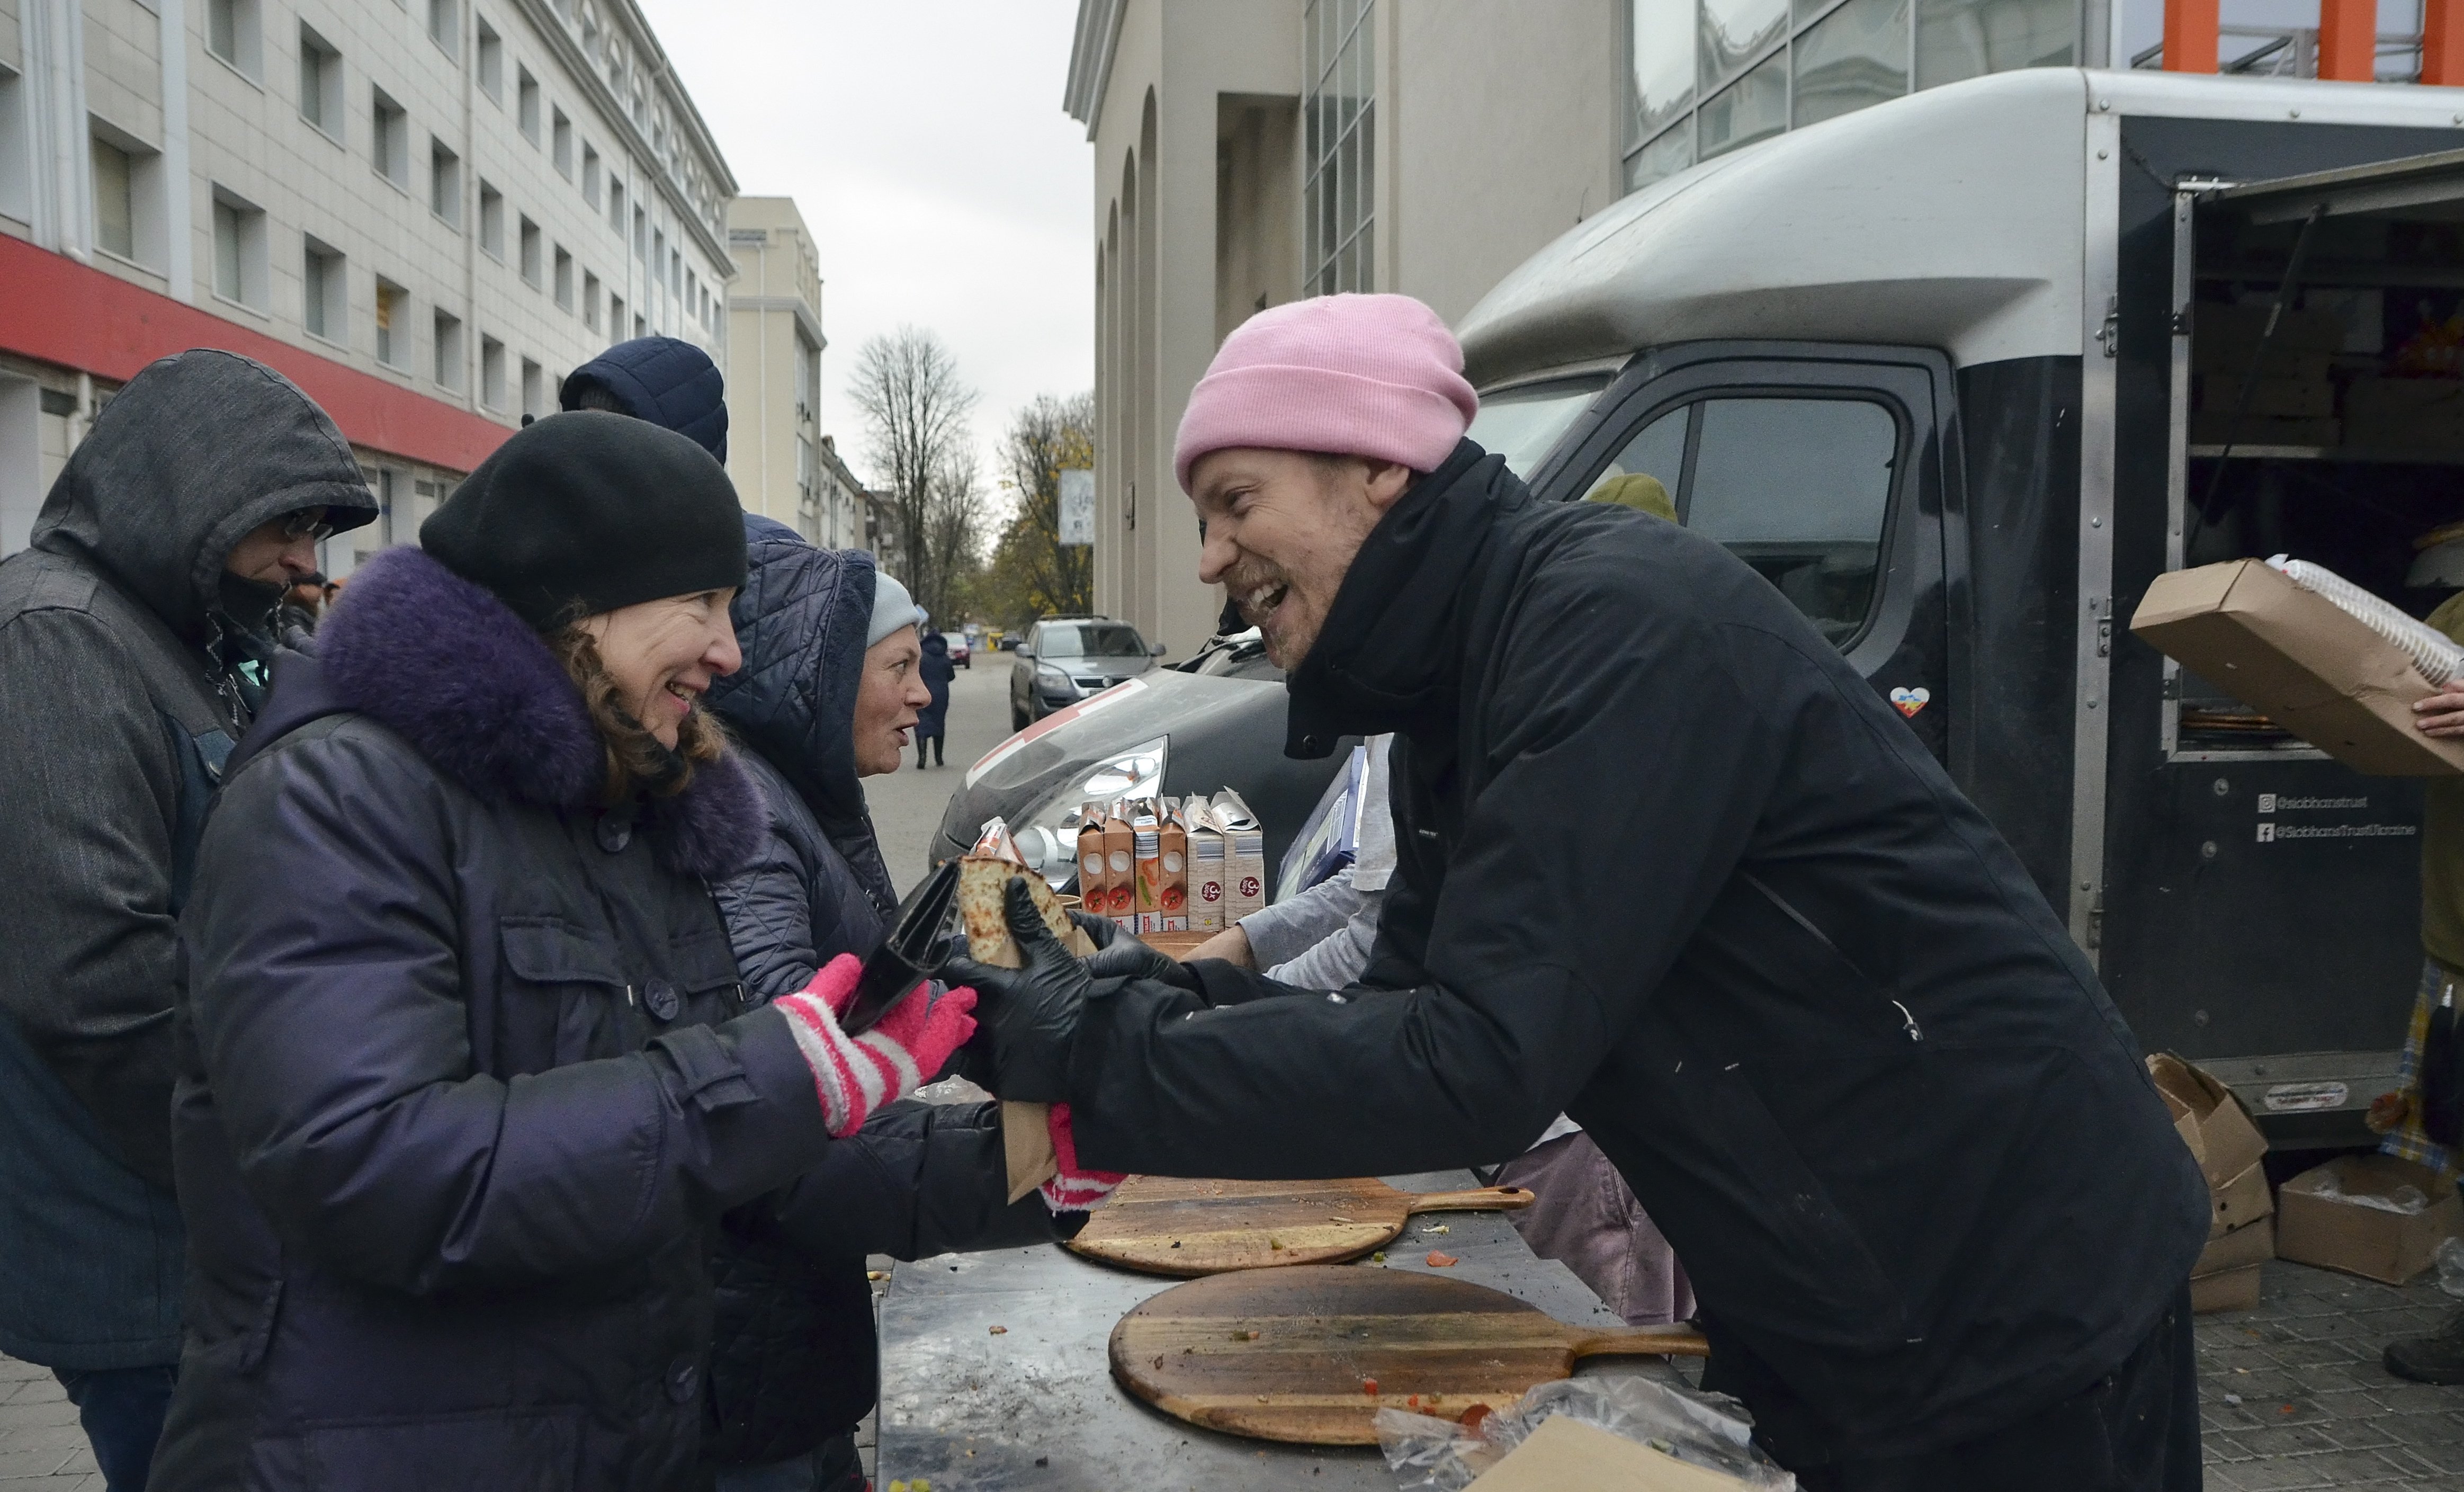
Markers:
(1065, 659)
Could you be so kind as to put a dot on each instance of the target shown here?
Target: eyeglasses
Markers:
(308, 523)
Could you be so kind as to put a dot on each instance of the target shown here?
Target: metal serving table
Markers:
(1035, 1407)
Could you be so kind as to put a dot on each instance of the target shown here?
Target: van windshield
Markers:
(1523, 425)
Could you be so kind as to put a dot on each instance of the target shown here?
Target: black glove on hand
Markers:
(1118, 954)
(1032, 1012)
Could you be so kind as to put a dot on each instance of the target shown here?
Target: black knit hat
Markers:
(587, 512)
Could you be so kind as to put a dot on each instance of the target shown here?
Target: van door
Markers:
(1821, 467)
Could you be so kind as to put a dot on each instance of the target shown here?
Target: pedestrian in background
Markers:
(129, 633)
(669, 383)
(932, 721)
(828, 689)
(467, 1072)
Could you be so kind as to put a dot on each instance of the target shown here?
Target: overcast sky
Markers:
(925, 144)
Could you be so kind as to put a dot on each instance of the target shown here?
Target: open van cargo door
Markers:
(2315, 409)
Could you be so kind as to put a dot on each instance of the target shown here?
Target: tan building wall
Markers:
(1492, 129)
(404, 146)
(783, 465)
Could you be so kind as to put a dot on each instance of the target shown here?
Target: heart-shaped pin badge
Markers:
(1908, 701)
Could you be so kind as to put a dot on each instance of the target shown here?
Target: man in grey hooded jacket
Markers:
(129, 632)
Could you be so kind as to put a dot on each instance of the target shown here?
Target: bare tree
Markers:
(1037, 575)
(954, 525)
(915, 411)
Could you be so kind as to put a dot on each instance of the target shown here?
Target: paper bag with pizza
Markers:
(1026, 1138)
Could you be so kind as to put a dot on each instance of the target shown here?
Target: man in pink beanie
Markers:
(1344, 399)
(1666, 864)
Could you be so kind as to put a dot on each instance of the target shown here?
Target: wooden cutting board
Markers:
(1170, 1226)
(1309, 1355)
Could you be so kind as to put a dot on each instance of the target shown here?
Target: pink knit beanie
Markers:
(1376, 376)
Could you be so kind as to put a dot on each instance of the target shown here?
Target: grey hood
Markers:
(194, 452)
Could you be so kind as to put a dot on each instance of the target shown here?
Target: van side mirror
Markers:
(1023, 651)
(1155, 648)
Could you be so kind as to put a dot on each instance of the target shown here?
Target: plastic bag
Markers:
(2437, 655)
(1705, 1430)
(2405, 1200)
(2451, 1266)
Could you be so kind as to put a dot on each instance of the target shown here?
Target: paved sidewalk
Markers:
(39, 1438)
(2292, 1394)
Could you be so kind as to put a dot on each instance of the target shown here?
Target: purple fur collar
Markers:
(448, 667)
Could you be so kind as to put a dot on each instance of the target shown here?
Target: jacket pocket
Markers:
(1811, 1275)
(484, 1451)
(567, 997)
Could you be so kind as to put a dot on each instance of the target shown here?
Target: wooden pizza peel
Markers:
(1309, 1356)
(1169, 1226)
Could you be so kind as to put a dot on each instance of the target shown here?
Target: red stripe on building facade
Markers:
(57, 310)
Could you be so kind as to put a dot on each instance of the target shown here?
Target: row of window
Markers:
(233, 34)
(241, 274)
(1710, 75)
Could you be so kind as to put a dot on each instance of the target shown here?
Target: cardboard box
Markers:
(2225, 339)
(2317, 1224)
(2404, 413)
(2296, 656)
(2240, 1201)
(1245, 850)
(1206, 879)
(2251, 1243)
(2219, 1132)
(2235, 1289)
(2276, 397)
(1566, 1455)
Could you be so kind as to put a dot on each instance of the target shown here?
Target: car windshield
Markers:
(1523, 425)
(1091, 639)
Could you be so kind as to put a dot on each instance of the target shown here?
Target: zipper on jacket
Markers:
(1907, 1022)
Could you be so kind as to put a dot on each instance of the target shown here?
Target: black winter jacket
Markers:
(937, 672)
(797, 1359)
(1706, 894)
(118, 701)
(465, 1077)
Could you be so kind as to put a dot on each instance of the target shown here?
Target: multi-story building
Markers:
(422, 211)
(784, 466)
(1248, 152)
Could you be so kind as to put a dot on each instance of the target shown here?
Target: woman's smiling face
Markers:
(665, 654)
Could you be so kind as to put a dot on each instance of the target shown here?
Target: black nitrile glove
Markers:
(1118, 954)
(1031, 1012)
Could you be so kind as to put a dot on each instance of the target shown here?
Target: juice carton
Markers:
(1207, 890)
(1147, 855)
(1120, 881)
(1094, 883)
(1173, 902)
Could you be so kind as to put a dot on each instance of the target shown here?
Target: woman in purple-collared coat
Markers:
(467, 1072)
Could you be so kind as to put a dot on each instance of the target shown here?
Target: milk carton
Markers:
(1244, 856)
(1207, 889)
